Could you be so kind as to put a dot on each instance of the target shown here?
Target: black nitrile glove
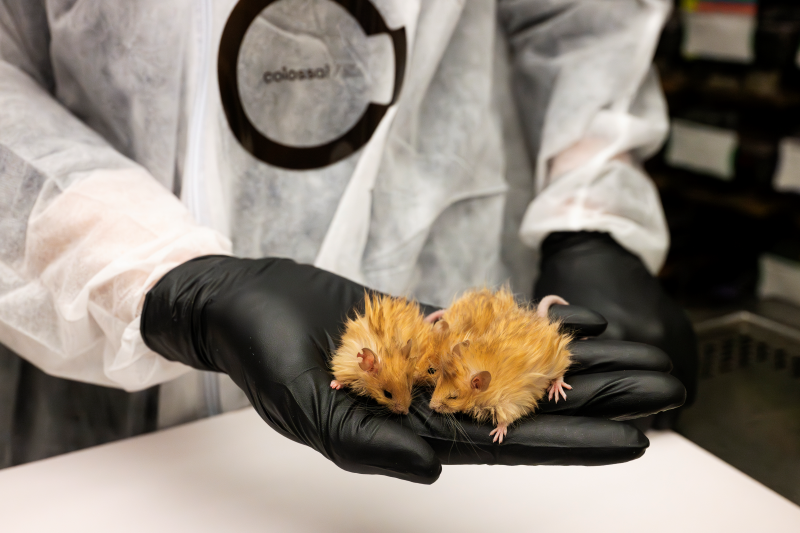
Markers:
(271, 323)
(590, 269)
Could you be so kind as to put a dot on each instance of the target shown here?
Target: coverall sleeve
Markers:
(592, 110)
(84, 231)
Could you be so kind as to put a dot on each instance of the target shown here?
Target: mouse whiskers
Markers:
(459, 430)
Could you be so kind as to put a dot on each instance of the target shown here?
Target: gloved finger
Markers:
(581, 321)
(376, 443)
(354, 433)
(620, 395)
(536, 440)
(591, 356)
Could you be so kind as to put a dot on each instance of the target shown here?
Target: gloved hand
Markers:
(590, 269)
(271, 323)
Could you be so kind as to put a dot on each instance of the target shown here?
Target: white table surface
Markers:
(233, 473)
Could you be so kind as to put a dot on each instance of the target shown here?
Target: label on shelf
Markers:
(787, 176)
(701, 148)
(721, 30)
(779, 278)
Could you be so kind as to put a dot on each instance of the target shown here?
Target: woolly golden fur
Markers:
(380, 350)
(438, 338)
(507, 358)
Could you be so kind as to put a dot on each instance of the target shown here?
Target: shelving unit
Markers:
(721, 222)
(730, 186)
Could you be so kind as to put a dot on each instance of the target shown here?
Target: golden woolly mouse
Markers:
(507, 358)
(379, 351)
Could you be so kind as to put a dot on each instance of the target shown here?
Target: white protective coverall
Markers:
(132, 139)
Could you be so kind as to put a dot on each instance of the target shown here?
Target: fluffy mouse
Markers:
(505, 358)
(379, 351)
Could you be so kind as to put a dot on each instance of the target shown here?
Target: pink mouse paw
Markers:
(556, 388)
(336, 385)
(499, 432)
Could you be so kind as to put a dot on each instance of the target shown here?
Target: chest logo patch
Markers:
(265, 83)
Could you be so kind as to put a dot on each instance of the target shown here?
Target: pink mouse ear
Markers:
(441, 327)
(458, 347)
(368, 361)
(481, 380)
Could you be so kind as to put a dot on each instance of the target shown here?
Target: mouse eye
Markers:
(387, 394)
(431, 370)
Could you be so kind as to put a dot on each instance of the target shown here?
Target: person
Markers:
(159, 158)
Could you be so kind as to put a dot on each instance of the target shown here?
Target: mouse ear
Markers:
(458, 347)
(441, 327)
(406, 351)
(481, 380)
(368, 361)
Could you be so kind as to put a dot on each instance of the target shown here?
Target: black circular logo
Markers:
(300, 157)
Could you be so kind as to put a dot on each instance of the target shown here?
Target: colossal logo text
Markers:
(285, 74)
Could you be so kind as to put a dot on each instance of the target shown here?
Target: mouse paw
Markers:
(556, 388)
(336, 385)
(499, 432)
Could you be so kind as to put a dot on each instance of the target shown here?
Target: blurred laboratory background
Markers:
(729, 179)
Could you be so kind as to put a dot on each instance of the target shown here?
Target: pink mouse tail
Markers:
(435, 316)
(544, 306)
